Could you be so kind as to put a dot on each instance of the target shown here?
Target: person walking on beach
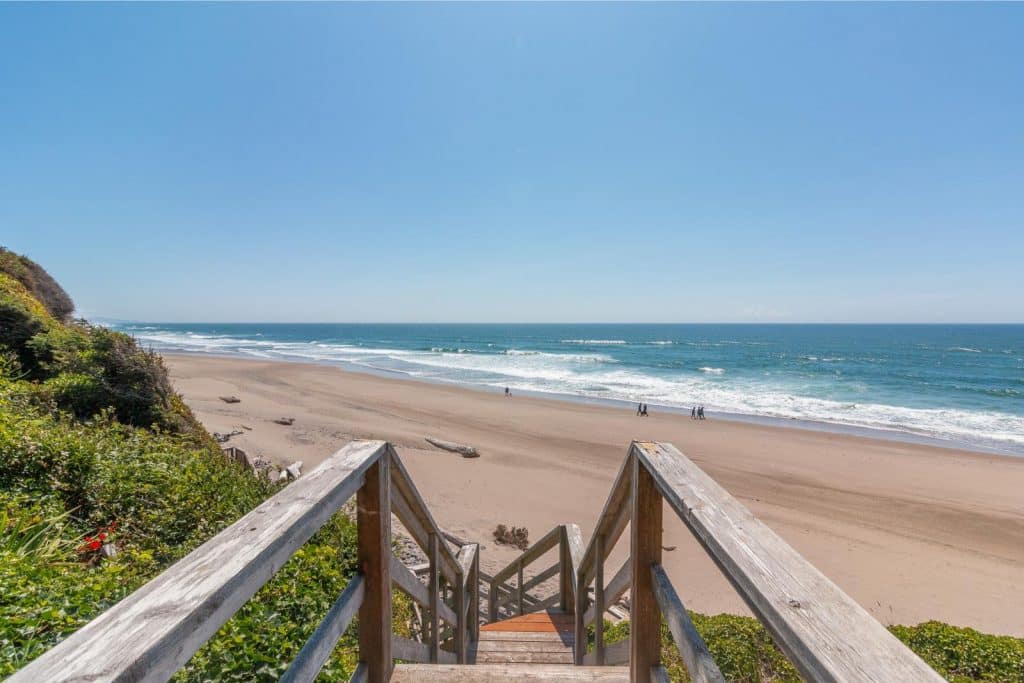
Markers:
(693, 413)
(644, 411)
(508, 392)
(700, 412)
(639, 408)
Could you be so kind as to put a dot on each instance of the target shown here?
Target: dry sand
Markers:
(912, 532)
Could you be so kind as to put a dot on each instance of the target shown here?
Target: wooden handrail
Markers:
(699, 662)
(159, 627)
(823, 632)
(317, 650)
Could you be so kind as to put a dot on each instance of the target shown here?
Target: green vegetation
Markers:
(745, 652)
(97, 450)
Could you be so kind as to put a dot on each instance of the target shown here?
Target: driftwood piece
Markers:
(286, 421)
(293, 471)
(230, 399)
(464, 451)
(221, 437)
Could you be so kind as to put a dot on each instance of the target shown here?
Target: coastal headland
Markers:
(912, 532)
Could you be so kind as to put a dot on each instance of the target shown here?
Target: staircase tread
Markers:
(535, 622)
(508, 673)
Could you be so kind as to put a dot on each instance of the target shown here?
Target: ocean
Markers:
(960, 385)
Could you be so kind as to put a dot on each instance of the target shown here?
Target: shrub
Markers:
(963, 654)
(38, 282)
(745, 653)
(22, 317)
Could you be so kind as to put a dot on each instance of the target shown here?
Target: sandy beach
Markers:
(912, 532)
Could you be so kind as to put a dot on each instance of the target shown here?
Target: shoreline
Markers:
(823, 426)
(910, 531)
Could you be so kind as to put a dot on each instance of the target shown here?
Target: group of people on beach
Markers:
(697, 413)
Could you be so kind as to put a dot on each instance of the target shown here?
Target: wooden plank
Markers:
(615, 510)
(434, 602)
(519, 588)
(613, 591)
(373, 519)
(465, 557)
(542, 577)
(659, 675)
(614, 655)
(826, 635)
(317, 650)
(699, 662)
(151, 633)
(619, 653)
(538, 636)
(645, 551)
(572, 555)
(563, 657)
(403, 483)
(359, 675)
(552, 644)
(509, 673)
(403, 578)
(474, 604)
(599, 602)
(409, 650)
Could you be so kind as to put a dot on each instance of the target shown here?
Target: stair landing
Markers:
(537, 638)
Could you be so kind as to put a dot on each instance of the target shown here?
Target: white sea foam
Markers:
(594, 342)
(661, 343)
(599, 375)
(964, 349)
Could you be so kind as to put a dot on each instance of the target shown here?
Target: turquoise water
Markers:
(958, 383)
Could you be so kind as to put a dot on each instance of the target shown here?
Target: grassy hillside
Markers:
(96, 450)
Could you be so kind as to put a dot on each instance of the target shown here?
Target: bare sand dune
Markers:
(912, 532)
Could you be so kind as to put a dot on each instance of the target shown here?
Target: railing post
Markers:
(599, 605)
(519, 590)
(492, 602)
(564, 573)
(474, 601)
(460, 618)
(373, 519)
(645, 552)
(433, 586)
(580, 636)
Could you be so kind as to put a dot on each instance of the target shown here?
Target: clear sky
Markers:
(531, 162)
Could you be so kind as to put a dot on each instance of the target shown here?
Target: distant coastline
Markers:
(948, 386)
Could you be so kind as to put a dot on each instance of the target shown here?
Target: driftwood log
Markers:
(230, 399)
(286, 421)
(464, 451)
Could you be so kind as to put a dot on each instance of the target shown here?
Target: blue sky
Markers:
(530, 162)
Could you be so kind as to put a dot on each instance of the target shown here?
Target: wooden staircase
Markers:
(538, 646)
(532, 629)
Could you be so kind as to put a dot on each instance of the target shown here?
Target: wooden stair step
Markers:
(536, 622)
(508, 673)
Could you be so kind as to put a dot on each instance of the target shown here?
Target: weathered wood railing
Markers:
(154, 631)
(570, 546)
(823, 632)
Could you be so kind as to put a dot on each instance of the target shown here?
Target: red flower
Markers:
(94, 544)
(103, 535)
